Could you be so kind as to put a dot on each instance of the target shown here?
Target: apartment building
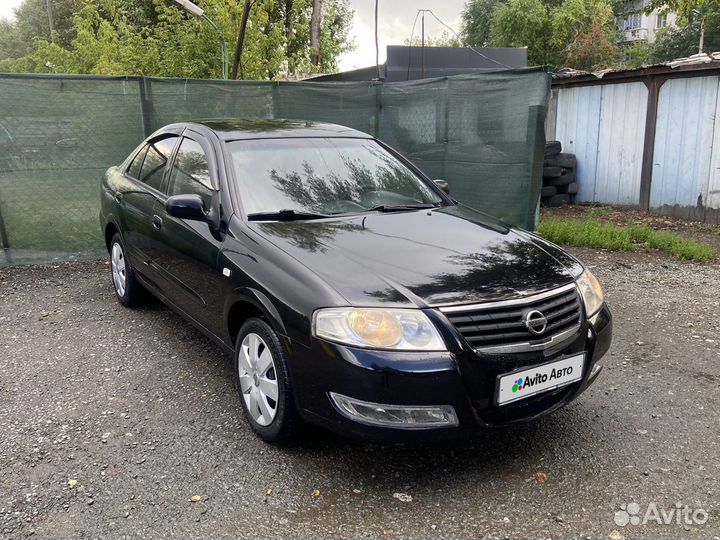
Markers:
(636, 25)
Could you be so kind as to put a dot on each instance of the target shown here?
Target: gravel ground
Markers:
(120, 423)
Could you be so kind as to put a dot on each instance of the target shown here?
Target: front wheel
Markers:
(127, 288)
(263, 382)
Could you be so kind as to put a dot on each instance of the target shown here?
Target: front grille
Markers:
(500, 327)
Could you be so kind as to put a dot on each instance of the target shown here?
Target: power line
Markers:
(412, 32)
(430, 11)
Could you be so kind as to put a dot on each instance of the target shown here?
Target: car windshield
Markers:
(324, 176)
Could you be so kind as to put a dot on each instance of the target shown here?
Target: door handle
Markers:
(118, 197)
(157, 222)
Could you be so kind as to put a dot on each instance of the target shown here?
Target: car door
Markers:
(188, 249)
(137, 199)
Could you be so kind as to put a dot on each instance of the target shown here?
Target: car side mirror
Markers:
(443, 185)
(187, 207)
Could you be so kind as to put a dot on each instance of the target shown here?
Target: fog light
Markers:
(395, 416)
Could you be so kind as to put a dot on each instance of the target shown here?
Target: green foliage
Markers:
(136, 37)
(593, 49)
(599, 212)
(591, 233)
(445, 40)
(672, 43)
(476, 17)
(524, 23)
(637, 54)
(564, 33)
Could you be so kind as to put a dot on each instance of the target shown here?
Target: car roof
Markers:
(263, 128)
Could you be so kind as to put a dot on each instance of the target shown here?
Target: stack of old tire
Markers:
(559, 184)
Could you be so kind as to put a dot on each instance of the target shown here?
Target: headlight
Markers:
(376, 328)
(591, 292)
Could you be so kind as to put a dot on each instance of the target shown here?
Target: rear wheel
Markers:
(263, 382)
(127, 288)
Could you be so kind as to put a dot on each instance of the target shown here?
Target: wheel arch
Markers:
(246, 304)
(110, 230)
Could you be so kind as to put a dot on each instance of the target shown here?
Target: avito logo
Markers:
(540, 378)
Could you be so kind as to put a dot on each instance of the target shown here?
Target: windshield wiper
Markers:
(401, 207)
(285, 215)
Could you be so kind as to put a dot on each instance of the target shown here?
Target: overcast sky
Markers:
(395, 24)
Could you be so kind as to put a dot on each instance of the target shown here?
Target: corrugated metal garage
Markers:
(648, 137)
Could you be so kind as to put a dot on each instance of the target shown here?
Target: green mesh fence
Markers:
(59, 133)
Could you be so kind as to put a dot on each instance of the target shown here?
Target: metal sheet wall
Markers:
(686, 164)
(603, 126)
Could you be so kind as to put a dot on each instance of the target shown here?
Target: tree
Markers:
(593, 49)
(476, 17)
(138, 37)
(637, 54)
(444, 40)
(673, 43)
(16, 39)
(315, 22)
(554, 33)
(699, 14)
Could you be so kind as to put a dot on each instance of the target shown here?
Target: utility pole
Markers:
(51, 19)
(237, 61)
(377, 47)
(422, 46)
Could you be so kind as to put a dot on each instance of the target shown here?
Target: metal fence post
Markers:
(145, 106)
(536, 144)
(5, 240)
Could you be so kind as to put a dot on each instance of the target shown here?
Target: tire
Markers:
(556, 200)
(127, 288)
(548, 191)
(572, 188)
(552, 148)
(563, 180)
(551, 172)
(566, 161)
(263, 382)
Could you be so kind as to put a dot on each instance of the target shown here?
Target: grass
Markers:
(598, 212)
(594, 234)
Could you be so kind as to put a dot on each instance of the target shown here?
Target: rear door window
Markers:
(156, 159)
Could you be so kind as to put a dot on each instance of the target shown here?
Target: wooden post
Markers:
(653, 84)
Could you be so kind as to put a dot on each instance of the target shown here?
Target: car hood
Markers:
(422, 258)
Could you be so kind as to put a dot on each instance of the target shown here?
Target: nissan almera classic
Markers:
(351, 290)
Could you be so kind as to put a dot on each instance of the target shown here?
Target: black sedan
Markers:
(351, 290)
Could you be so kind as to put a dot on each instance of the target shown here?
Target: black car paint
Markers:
(286, 270)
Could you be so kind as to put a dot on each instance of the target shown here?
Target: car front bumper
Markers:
(459, 378)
